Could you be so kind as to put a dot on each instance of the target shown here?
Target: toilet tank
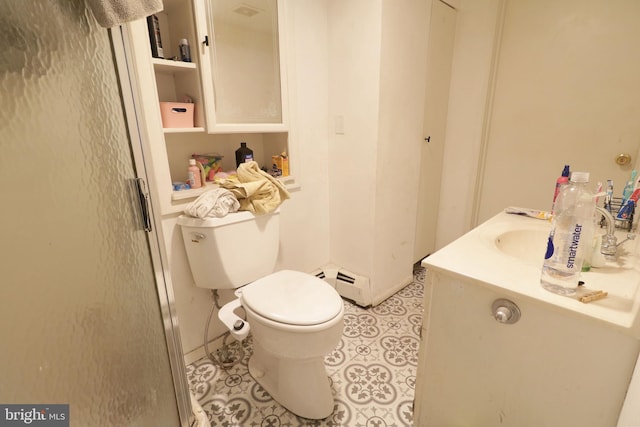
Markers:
(229, 252)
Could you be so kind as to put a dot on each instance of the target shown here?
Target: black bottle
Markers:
(243, 154)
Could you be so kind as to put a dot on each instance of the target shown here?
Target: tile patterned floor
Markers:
(372, 371)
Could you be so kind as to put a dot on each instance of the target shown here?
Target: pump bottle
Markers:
(193, 175)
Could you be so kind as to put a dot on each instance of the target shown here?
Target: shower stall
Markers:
(86, 317)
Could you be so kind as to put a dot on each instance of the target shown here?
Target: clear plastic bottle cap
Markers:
(580, 176)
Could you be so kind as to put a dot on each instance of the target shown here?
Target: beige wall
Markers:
(567, 91)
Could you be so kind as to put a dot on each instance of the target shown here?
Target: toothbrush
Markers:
(626, 192)
(598, 192)
(609, 195)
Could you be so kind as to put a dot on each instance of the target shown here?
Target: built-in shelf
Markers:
(182, 130)
(168, 66)
(288, 181)
(192, 193)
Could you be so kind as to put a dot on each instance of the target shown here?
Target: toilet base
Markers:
(301, 386)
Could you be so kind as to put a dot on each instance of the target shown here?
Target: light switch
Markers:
(339, 125)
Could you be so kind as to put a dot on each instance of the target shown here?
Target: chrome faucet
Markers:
(609, 241)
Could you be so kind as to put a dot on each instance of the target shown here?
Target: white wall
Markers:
(305, 223)
(354, 60)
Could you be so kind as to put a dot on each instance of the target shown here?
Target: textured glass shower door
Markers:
(80, 321)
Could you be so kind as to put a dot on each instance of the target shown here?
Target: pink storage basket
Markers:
(176, 114)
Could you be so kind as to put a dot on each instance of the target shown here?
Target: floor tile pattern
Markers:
(372, 372)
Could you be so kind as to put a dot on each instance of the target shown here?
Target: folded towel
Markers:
(257, 191)
(110, 13)
(214, 203)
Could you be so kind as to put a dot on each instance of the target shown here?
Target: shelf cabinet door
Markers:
(241, 51)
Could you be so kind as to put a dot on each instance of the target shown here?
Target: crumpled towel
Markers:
(110, 13)
(257, 191)
(214, 203)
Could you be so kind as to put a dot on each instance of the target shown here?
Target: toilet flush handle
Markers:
(196, 237)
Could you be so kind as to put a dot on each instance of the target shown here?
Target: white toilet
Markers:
(295, 317)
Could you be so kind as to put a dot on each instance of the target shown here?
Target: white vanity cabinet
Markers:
(547, 369)
(560, 362)
(242, 60)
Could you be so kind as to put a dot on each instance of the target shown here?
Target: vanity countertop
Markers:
(506, 253)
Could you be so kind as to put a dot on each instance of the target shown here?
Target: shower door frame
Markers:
(131, 102)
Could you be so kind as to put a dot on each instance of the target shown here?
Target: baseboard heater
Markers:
(350, 286)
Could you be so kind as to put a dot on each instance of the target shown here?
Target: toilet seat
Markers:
(293, 298)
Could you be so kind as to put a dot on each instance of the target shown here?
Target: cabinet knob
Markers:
(505, 311)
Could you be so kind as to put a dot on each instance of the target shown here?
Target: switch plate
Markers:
(339, 125)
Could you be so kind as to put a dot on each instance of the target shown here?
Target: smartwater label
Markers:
(34, 415)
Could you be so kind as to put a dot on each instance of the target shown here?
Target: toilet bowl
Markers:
(295, 318)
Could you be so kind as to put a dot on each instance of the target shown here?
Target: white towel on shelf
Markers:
(110, 13)
(214, 203)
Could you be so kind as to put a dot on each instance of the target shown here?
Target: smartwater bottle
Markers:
(570, 237)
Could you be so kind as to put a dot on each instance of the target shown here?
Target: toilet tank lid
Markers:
(189, 221)
(293, 298)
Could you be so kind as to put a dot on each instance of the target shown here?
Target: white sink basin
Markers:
(528, 245)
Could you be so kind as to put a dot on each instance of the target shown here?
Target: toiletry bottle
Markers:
(243, 154)
(562, 180)
(153, 25)
(185, 52)
(193, 175)
(570, 237)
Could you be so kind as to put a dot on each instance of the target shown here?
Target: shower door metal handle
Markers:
(143, 197)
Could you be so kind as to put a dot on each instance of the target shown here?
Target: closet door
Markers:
(439, 59)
